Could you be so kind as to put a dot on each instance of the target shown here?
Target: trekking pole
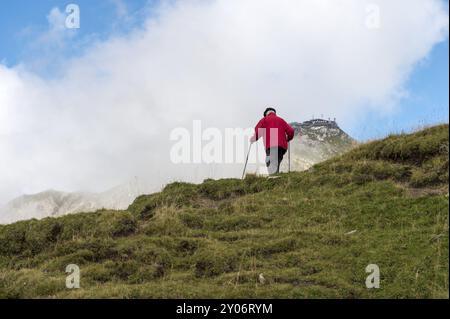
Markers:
(289, 156)
(246, 160)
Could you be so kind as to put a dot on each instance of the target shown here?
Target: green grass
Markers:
(311, 234)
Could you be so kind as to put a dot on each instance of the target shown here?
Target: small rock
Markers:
(261, 278)
(159, 270)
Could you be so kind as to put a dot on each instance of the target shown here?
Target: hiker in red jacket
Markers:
(276, 134)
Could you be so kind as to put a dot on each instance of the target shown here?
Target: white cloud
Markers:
(108, 117)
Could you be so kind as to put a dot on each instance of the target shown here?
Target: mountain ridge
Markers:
(53, 203)
(315, 141)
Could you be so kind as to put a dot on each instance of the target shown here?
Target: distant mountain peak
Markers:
(53, 203)
(316, 123)
(315, 141)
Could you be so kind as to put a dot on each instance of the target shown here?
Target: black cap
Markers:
(268, 110)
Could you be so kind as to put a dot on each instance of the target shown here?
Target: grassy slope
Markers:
(214, 239)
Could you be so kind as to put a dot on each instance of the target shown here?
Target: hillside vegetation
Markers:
(310, 234)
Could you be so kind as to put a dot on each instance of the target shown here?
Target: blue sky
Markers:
(21, 21)
(426, 104)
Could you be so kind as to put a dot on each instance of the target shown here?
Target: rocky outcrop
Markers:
(315, 141)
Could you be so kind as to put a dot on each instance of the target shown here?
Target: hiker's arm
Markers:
(289, 132)
(256, 136)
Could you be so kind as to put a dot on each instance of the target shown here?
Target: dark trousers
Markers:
(274, 158)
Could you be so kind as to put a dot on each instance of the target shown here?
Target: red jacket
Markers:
(275, 131)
